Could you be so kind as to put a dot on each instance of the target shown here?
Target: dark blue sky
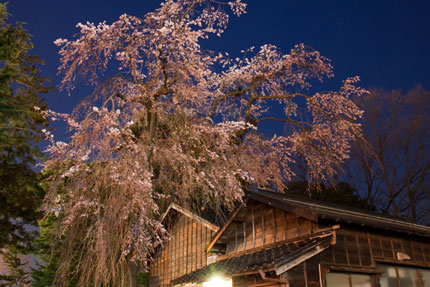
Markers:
(387, 43)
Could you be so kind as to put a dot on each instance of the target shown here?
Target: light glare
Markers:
(217, 282)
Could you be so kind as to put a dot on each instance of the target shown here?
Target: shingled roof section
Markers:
(251, 262)
(338, 212)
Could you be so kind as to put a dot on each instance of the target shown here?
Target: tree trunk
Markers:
(133, 273)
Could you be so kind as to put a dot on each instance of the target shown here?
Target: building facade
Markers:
(277, 240)
(185, 251)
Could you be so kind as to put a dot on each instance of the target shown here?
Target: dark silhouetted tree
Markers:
(391, 164)
(341, 193)
(22, 120)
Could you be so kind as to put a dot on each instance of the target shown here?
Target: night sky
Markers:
(386, 43)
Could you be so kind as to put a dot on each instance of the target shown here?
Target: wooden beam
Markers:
(346, 248)
(285, 215)
(392, 248)
(357, 245)
(352, 269)
(190, 215)
(263, 276)
(251, 272)
(244, 236)
(372, 259)
(253, 226)
(226, 225)
(235, 237)
(423, 253)
(188, 222)
(263, 227)
(305, 273)
(260, 284)
(281, 268)
(404, 263)
(275, 226)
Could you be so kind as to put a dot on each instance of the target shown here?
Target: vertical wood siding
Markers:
(184, 253)
(360, 248)
(259, 225)
(356, 247)
(264, 225)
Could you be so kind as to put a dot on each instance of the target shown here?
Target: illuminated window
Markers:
(425, 275)
(338, 279)
(407, 276)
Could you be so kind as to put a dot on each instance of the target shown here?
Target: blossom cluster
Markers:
(180, 124)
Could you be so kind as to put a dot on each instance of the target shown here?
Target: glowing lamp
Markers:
(217, 281)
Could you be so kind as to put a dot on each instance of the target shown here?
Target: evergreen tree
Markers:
(341, 193)
(17, 276)
(48, 244)
(44, 275)
(22, 121)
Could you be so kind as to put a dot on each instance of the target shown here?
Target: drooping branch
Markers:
(163, 141)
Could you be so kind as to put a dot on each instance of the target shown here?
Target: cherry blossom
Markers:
(181, 124)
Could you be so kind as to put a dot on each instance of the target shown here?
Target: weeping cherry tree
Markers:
(178, 123)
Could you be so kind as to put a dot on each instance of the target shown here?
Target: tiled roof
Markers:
(265, 259)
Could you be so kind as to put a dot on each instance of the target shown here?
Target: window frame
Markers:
(417, 268)
(373, 272)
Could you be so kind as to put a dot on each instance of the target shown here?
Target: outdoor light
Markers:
(217, 281)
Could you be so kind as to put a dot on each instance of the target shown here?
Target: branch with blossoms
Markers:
(179, 124)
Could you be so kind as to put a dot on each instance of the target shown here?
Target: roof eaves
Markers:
(349, 215)
(299, 210)
(190, 215)
(292, 253)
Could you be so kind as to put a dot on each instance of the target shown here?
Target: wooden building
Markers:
(277, 240)
(185, 252)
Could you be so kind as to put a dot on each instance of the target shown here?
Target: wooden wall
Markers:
(358, 250)
(255, 280)
(385, 247)
(259, 224)
(363, 247)
(352, 248)
(184, 253)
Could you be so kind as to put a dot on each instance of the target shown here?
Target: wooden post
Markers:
(253, 226)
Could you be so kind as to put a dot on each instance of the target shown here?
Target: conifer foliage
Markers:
(179, 122)
(22, 123)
